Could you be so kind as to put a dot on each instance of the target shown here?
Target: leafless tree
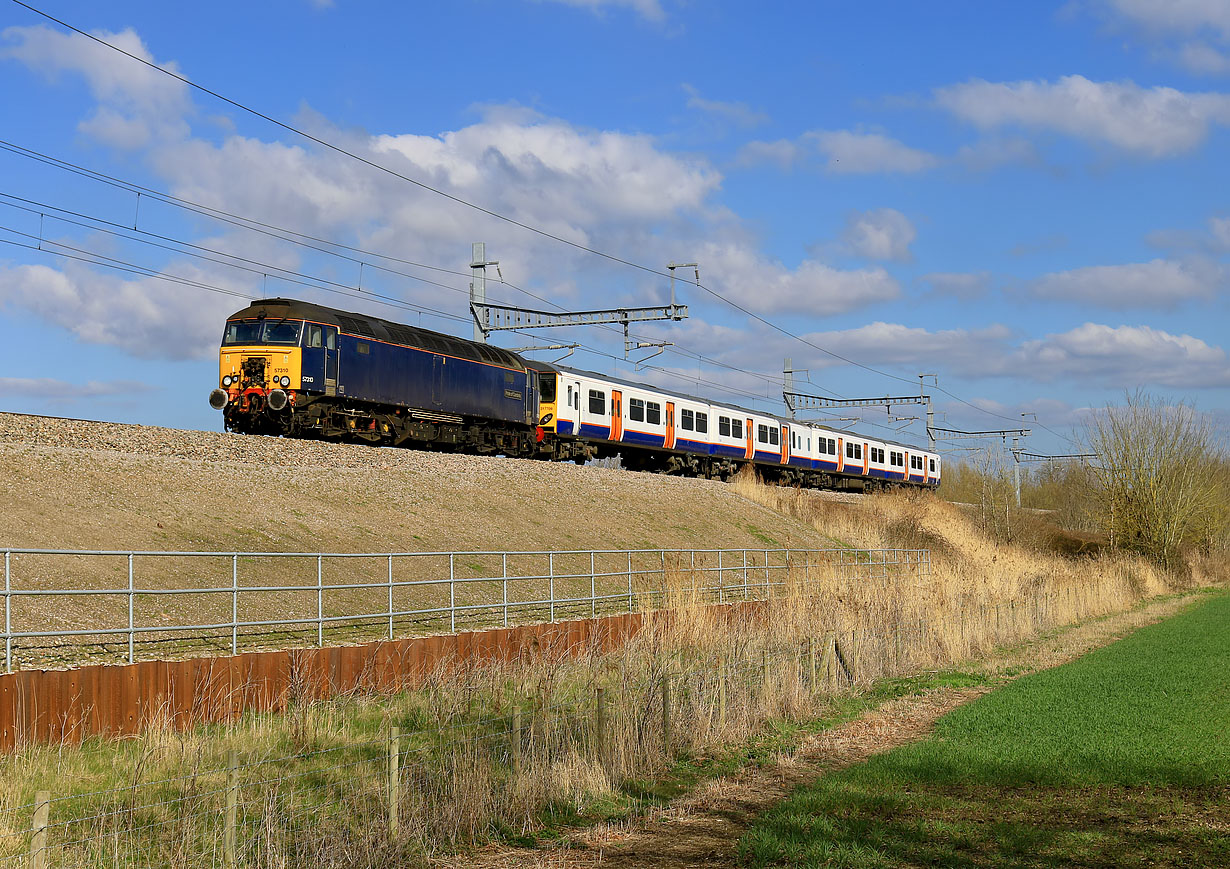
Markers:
(1158, 476)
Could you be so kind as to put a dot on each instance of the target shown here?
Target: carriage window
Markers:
(773, 436)
(849, 451)
(687, 420)
(570, 396)
(653, 413)
(315, 336)
(933, 466)
(636, 409)
(762, 433)
(702, 422)
(736, 429)
(597, 402)
(724, 426)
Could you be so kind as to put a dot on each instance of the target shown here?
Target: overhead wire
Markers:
(324, 143)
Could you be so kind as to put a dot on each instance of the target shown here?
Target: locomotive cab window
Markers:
(546, 388)
(687, 420)
(363, 347)
(266, 331)
(597, 402)
(636, 409)
(315, 336)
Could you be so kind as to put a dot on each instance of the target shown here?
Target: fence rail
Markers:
(114, 603)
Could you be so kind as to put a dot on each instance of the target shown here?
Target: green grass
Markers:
(1120, 758)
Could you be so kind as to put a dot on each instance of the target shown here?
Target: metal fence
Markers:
(73, 606)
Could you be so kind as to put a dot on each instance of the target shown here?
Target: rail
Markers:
(115, 598)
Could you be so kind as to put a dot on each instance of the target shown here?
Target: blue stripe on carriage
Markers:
(563, 426)
(631, 436)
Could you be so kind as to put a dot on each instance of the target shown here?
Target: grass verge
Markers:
(1120, 758)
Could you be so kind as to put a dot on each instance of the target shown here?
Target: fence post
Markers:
(8, 618)
(811, 663)
(131, 624)
(320, 600)
(390, 597)
(452, 593)
(722, 693)
(629, 582)
(38, 839)
(667, 732)
(516, 740)
(766, 674)
(505, 583)
(600, 736)
(830, 652)
(235, 603)
(394, 763)
(746, 591)
(229, 856)
(768, 591)
(551, 581)
(593, 587)
(721, 596)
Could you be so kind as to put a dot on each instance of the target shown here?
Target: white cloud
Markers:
(1180, 16)
(882, 343)
(1155, 122)
(991, 153)
(1158, 283)
(136, 104)
(1202, 58)
(879, 234)
(147, 318)
(850, 152)
(959, 285)
(738, 113)
(649, 9)
(1121, 357)
(846, 152)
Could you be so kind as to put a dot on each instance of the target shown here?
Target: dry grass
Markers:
(502, 752)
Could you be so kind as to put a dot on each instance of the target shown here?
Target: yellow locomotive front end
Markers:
(260, 373)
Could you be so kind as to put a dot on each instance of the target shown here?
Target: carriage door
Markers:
(330, 342)
(785, 445)
(617, 415)
(751, 449)
(669, 442)
(841, 454)
(866, 458)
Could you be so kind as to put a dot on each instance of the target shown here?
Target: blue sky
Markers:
(1025, 199)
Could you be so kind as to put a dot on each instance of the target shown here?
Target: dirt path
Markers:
(702, 828)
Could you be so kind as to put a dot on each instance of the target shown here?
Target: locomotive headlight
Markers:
(227, 380)
(285, 381)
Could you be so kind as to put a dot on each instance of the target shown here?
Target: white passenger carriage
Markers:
(593, 415)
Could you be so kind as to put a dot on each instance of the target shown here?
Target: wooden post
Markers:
(516, 740)
(394, 779)
(811, 663)
(766, 675)
(722, 694)
(38, 839)
(229, 852)
(604, 753)
(667, 734)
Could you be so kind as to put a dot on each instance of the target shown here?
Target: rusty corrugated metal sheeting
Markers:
(65, 706)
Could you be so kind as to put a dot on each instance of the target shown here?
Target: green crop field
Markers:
(1121, 758)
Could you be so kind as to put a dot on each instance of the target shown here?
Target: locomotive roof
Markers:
(382, 330)
(548, 366)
